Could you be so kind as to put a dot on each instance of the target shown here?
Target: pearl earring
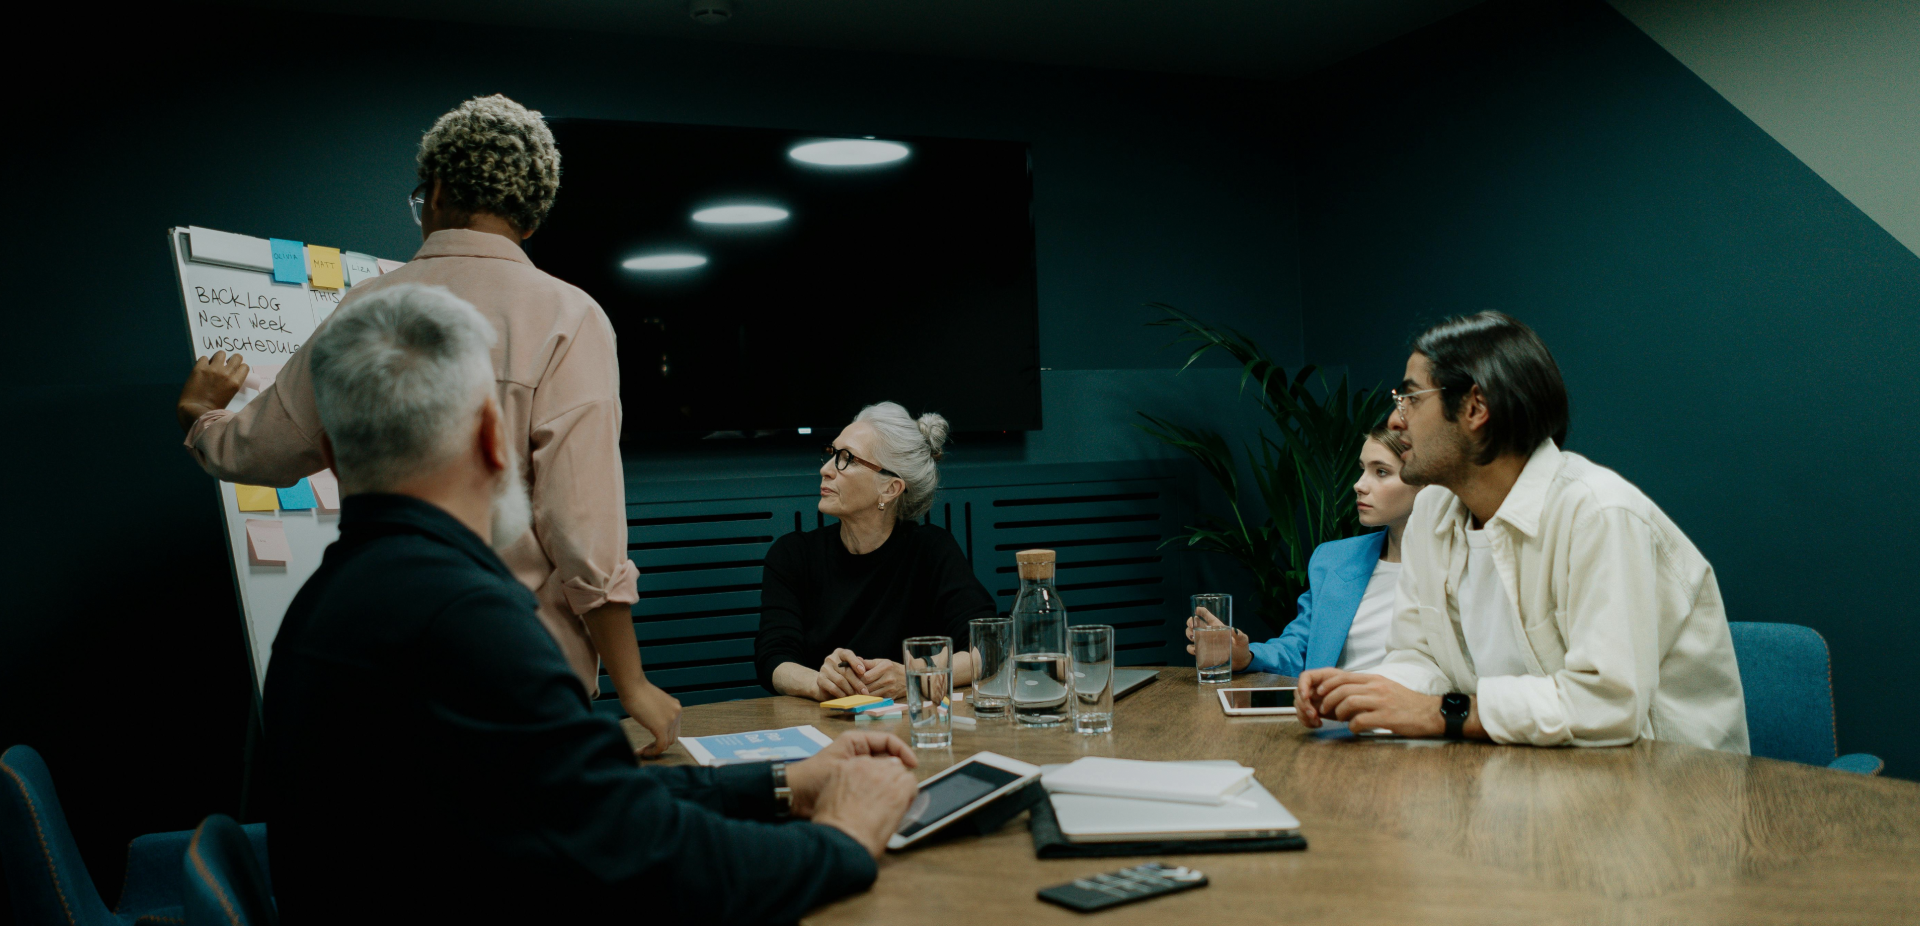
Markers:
(883, 506)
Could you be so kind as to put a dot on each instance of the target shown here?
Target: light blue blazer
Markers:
(1337, 577)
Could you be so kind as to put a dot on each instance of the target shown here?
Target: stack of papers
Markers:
(1123, 800)
(1185, 782)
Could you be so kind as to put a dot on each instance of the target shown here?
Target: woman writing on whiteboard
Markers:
(488, 174)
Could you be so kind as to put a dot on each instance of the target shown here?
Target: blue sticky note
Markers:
(289, 261)
(297, 498)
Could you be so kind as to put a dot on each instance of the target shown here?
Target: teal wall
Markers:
(120, 650)
(1737, 337)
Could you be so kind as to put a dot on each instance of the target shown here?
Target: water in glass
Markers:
(992, 665)
(929, 664)
(1092, 646)
(1041, 666)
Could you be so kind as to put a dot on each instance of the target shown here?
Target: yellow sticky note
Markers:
(257, 498)
(325, 264)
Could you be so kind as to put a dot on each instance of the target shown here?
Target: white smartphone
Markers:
(959, 791)
(1240, 702)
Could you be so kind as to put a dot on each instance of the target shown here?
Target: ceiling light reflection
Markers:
(664, 262)
(740, 215)
(849, 152)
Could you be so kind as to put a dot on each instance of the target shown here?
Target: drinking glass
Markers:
(1092, 648)
(1213, 646)
(992, 665)
(929, 662)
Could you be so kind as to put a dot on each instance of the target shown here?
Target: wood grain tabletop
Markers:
(1421, 832)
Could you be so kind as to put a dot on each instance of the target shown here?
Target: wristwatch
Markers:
(782, 795)
(1454, 708)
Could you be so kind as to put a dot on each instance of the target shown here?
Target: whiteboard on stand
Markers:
(233, 303)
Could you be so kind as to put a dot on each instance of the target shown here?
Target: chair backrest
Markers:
(45, 875)
(1789, 687)
(224, 884)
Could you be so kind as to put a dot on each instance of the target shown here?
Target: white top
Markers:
(1487, 616)
(1367, 639)
(1622, 614)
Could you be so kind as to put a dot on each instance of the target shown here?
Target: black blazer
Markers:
(435, 759)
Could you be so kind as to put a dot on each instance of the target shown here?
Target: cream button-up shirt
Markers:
(558, 381)
(1625, 630)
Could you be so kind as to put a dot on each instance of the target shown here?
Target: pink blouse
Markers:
(559, 388)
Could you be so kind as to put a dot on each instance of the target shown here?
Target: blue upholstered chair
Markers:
(45, 875)
(1789, 686)
(225, 883)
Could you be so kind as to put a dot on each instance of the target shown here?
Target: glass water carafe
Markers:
(1041, 666)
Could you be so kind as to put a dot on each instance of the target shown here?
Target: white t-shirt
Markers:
(1487, 616)
(1367, 639)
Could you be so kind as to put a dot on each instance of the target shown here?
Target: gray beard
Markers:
(511, 512)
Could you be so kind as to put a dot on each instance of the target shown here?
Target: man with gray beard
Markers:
(436, 758)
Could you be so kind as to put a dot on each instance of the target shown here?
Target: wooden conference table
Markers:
(1430, 833)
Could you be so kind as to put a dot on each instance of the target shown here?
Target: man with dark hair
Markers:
(1544, 600)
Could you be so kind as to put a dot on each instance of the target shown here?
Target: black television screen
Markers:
(764, 281)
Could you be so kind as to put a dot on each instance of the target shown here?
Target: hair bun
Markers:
(934, 428)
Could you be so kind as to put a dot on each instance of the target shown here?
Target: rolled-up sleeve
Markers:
(1611, 625)
(273, 441)
(578, 491)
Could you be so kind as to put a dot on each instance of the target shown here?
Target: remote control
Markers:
(1124, 886)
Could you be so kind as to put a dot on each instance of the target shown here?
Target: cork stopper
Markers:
(1035, 564)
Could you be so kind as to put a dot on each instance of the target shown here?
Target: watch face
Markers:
(1455, 705)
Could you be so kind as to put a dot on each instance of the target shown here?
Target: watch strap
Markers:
(782, 794)
(1456, 717)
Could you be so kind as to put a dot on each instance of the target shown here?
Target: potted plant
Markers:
(1303, 469)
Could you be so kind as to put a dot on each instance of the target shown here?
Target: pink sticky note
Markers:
(260, 375)
(389, 266)
(267, 543)
(326, 490)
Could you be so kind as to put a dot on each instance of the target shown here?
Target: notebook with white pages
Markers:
(1186, 782)
(1253, 813)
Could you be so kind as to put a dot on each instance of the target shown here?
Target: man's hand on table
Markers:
(859, 785)
(212, 384)
(657, 711)
(1367, 702)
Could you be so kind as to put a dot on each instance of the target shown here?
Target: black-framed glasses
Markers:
(416, 201)
(843, 458)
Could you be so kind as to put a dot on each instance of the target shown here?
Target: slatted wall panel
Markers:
(700, 561)
(1112, 569)
(699, 606)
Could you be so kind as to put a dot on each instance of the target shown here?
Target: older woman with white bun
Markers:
(835, 603)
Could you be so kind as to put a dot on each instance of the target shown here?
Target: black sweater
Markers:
(815, 596)
(437, 761)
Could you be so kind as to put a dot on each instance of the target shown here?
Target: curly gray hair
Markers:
(910, 448)
(494, 155)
